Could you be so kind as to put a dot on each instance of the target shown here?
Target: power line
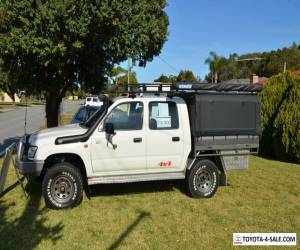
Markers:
(173, 68)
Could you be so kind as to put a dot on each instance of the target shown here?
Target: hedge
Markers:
(280, 118)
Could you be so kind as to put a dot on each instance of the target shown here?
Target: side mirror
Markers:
(109, 128)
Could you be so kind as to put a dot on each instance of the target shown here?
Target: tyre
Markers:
(203, 179)
(62, 186)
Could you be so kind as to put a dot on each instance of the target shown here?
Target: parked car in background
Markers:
(93, 101)
(84, 113)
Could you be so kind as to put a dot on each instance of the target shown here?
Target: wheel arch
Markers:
(72, 158)
(216, 159)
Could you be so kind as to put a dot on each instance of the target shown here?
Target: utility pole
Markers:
(129, 66)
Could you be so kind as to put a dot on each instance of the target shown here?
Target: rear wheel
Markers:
(203, 179)
(62, 186)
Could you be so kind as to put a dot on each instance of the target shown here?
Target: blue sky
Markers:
(224, 26)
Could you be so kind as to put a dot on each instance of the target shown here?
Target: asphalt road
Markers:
(12, 122)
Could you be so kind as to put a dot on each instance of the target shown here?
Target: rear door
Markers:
(164, 137)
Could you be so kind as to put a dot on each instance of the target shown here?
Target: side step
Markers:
(134, 178)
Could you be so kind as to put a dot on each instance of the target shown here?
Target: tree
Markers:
(117, 72)
(186, 76)
(120, 76)
(163, 78)
(166, 79)
(183, 76)
(215, 62)
(123, 79)
(58, 45)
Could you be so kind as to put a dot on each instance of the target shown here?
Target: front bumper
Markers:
(28, 167)
(25, 166)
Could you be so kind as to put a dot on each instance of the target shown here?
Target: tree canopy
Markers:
(186, 76)
(56, 45)
(269, 63)
(183, 76)
(166, 79)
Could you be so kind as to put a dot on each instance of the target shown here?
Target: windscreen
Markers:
(91, 121)
(93, 118)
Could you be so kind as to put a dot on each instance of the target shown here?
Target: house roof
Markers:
(238, 81)
(261, 80)
(296, 73)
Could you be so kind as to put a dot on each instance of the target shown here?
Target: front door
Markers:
(126, 150)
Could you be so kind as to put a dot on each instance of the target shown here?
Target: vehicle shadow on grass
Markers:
(137, 187)
(29, 229)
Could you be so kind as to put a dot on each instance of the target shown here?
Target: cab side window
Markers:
(163, 115)
(127, 116)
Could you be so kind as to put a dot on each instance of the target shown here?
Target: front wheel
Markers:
(203, 179)
(62, 186)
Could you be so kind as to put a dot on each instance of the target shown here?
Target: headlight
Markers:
(31, 151)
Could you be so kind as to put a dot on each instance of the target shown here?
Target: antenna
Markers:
(25, 122)
(249, 59)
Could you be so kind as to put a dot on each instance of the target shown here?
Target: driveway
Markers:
(12, 122)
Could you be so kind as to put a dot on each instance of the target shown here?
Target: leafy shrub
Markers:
(280, 118)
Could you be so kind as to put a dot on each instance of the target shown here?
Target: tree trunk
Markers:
(53, 101)
(11, 94)
(216, 77)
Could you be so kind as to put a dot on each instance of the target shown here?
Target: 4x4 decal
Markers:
(165, 164)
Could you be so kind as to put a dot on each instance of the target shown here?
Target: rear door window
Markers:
(163, 115)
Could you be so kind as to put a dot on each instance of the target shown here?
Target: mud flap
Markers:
(222, 171)
(223, 179)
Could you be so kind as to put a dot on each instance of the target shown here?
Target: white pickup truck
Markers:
(194, 132)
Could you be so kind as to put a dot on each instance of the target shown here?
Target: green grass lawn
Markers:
(156, 215)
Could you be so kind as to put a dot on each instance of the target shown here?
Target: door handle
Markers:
(137, 139)
(175, 138)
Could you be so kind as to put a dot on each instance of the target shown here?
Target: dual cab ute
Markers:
(195, 132)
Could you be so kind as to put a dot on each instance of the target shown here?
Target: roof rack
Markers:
(157, 88)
